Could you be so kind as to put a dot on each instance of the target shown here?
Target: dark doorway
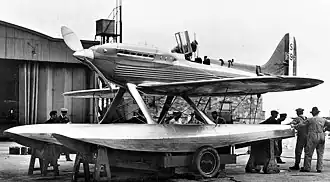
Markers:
(9, 92)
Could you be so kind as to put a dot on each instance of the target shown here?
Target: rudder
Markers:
(284, 59)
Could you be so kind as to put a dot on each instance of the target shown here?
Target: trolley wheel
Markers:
(206, 161)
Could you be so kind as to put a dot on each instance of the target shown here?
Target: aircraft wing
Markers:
(91, 93)
(230, 86)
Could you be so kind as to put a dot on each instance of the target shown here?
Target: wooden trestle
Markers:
(262, 153)
(48, 157)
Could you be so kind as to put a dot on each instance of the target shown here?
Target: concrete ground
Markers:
(14, 168)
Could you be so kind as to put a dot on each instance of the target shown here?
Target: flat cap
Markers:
(64, 109)
(52, 113)
(299, 109)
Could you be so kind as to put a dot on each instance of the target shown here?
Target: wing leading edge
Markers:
(215, 87)
(231, 86)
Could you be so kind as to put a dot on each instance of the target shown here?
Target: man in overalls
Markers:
(315, 139)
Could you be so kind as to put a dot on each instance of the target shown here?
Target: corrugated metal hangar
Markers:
(35, 70)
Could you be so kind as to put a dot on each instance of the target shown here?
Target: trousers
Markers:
(314, 141)
(300, 145)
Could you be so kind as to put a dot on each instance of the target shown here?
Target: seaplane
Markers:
(139, 69)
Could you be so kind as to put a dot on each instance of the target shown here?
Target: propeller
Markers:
(73, 42)
(84, 55)
(71, 39)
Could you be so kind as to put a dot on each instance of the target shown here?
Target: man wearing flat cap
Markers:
(63, 118)
(53, 117)
(299, 124)
(315, 140)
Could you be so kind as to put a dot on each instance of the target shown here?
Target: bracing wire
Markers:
(255, 112)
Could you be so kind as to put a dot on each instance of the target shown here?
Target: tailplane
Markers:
(283, 60)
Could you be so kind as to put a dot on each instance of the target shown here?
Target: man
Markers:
(63, 118)
(281, 118)
(298, 124)
(315, 139)
(279, 141)
(53, 117)
(215, 117)
(272, 119)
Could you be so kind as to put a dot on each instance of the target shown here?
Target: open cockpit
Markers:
(190, 50)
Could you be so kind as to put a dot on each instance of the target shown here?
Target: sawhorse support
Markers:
(100, 160)
(262, 153)
(48, 155)
(230, 150)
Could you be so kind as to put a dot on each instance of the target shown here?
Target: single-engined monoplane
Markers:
(137, 69)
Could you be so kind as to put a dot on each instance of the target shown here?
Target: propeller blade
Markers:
(71, 39)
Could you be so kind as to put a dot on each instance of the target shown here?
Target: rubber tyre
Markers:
(206, 162)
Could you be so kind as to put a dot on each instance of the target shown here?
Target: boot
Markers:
(295, 167)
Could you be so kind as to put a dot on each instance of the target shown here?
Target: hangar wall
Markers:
(40, 90)
(46, 69)
(20, 43)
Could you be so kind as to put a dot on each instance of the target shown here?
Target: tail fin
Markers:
(284, 58)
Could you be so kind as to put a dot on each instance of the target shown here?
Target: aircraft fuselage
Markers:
(121, 63)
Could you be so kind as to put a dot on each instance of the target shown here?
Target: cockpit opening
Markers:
(190, 50)
(184, 46)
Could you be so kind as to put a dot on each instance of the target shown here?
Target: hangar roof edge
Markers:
(41, 34)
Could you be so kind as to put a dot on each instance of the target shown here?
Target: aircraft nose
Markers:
(85, 53)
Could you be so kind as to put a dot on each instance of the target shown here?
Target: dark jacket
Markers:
(270, 120)
(52, 120)
(63, 119)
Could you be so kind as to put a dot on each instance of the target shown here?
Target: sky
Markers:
(247, 31)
